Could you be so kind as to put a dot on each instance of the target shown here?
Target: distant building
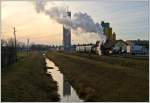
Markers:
(139, 42)
(107, 30)
(139, 49)
(131, 47)
(110, 38)
(121, 46)
(139, 46)
(67, 35)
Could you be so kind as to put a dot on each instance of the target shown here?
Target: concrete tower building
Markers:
(107, 30)
(67, 35)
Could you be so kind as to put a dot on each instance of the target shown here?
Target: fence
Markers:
(8, 55)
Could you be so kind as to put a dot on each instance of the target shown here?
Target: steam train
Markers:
(98, 49)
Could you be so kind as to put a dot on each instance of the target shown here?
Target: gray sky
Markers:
(129, 19)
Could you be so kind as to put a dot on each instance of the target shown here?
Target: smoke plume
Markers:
(79, 20)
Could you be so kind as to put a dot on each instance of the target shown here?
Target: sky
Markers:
(128, 19)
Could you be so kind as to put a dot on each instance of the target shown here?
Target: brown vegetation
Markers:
(100, 80)
(26, 81)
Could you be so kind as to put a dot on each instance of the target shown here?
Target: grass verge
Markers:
(103, 81)
(132, 62)
(21, 55)
(26, 81)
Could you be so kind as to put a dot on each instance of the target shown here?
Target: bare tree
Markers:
(11, 42)
(3, 42)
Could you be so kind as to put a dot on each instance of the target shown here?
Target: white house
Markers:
(121, 47)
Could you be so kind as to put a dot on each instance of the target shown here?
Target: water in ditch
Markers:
(65, 90)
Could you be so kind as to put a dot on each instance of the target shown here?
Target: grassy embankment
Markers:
(140, 63)
(27, 81)
(105, 78)
(21, 55)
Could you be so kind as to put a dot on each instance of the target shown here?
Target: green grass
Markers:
(21, 55)
(101, 80)
(140, 63)
(26, 81)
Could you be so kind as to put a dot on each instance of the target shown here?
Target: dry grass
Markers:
(103, 81)
(132, 62)
(26, 81)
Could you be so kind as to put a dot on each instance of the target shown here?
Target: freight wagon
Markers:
(89, 48)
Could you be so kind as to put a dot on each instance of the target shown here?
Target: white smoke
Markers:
(79, 20)
(83, 21)
(40, 5)
(59, 14)
(100, 33)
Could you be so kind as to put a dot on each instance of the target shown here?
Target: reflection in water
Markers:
(65, 90)
(66, 87)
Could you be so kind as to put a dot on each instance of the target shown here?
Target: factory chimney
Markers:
(67, 34)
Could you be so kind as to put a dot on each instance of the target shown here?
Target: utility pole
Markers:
(28, 46)
(15, 44)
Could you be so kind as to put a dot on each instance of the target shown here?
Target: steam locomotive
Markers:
(98, 49)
